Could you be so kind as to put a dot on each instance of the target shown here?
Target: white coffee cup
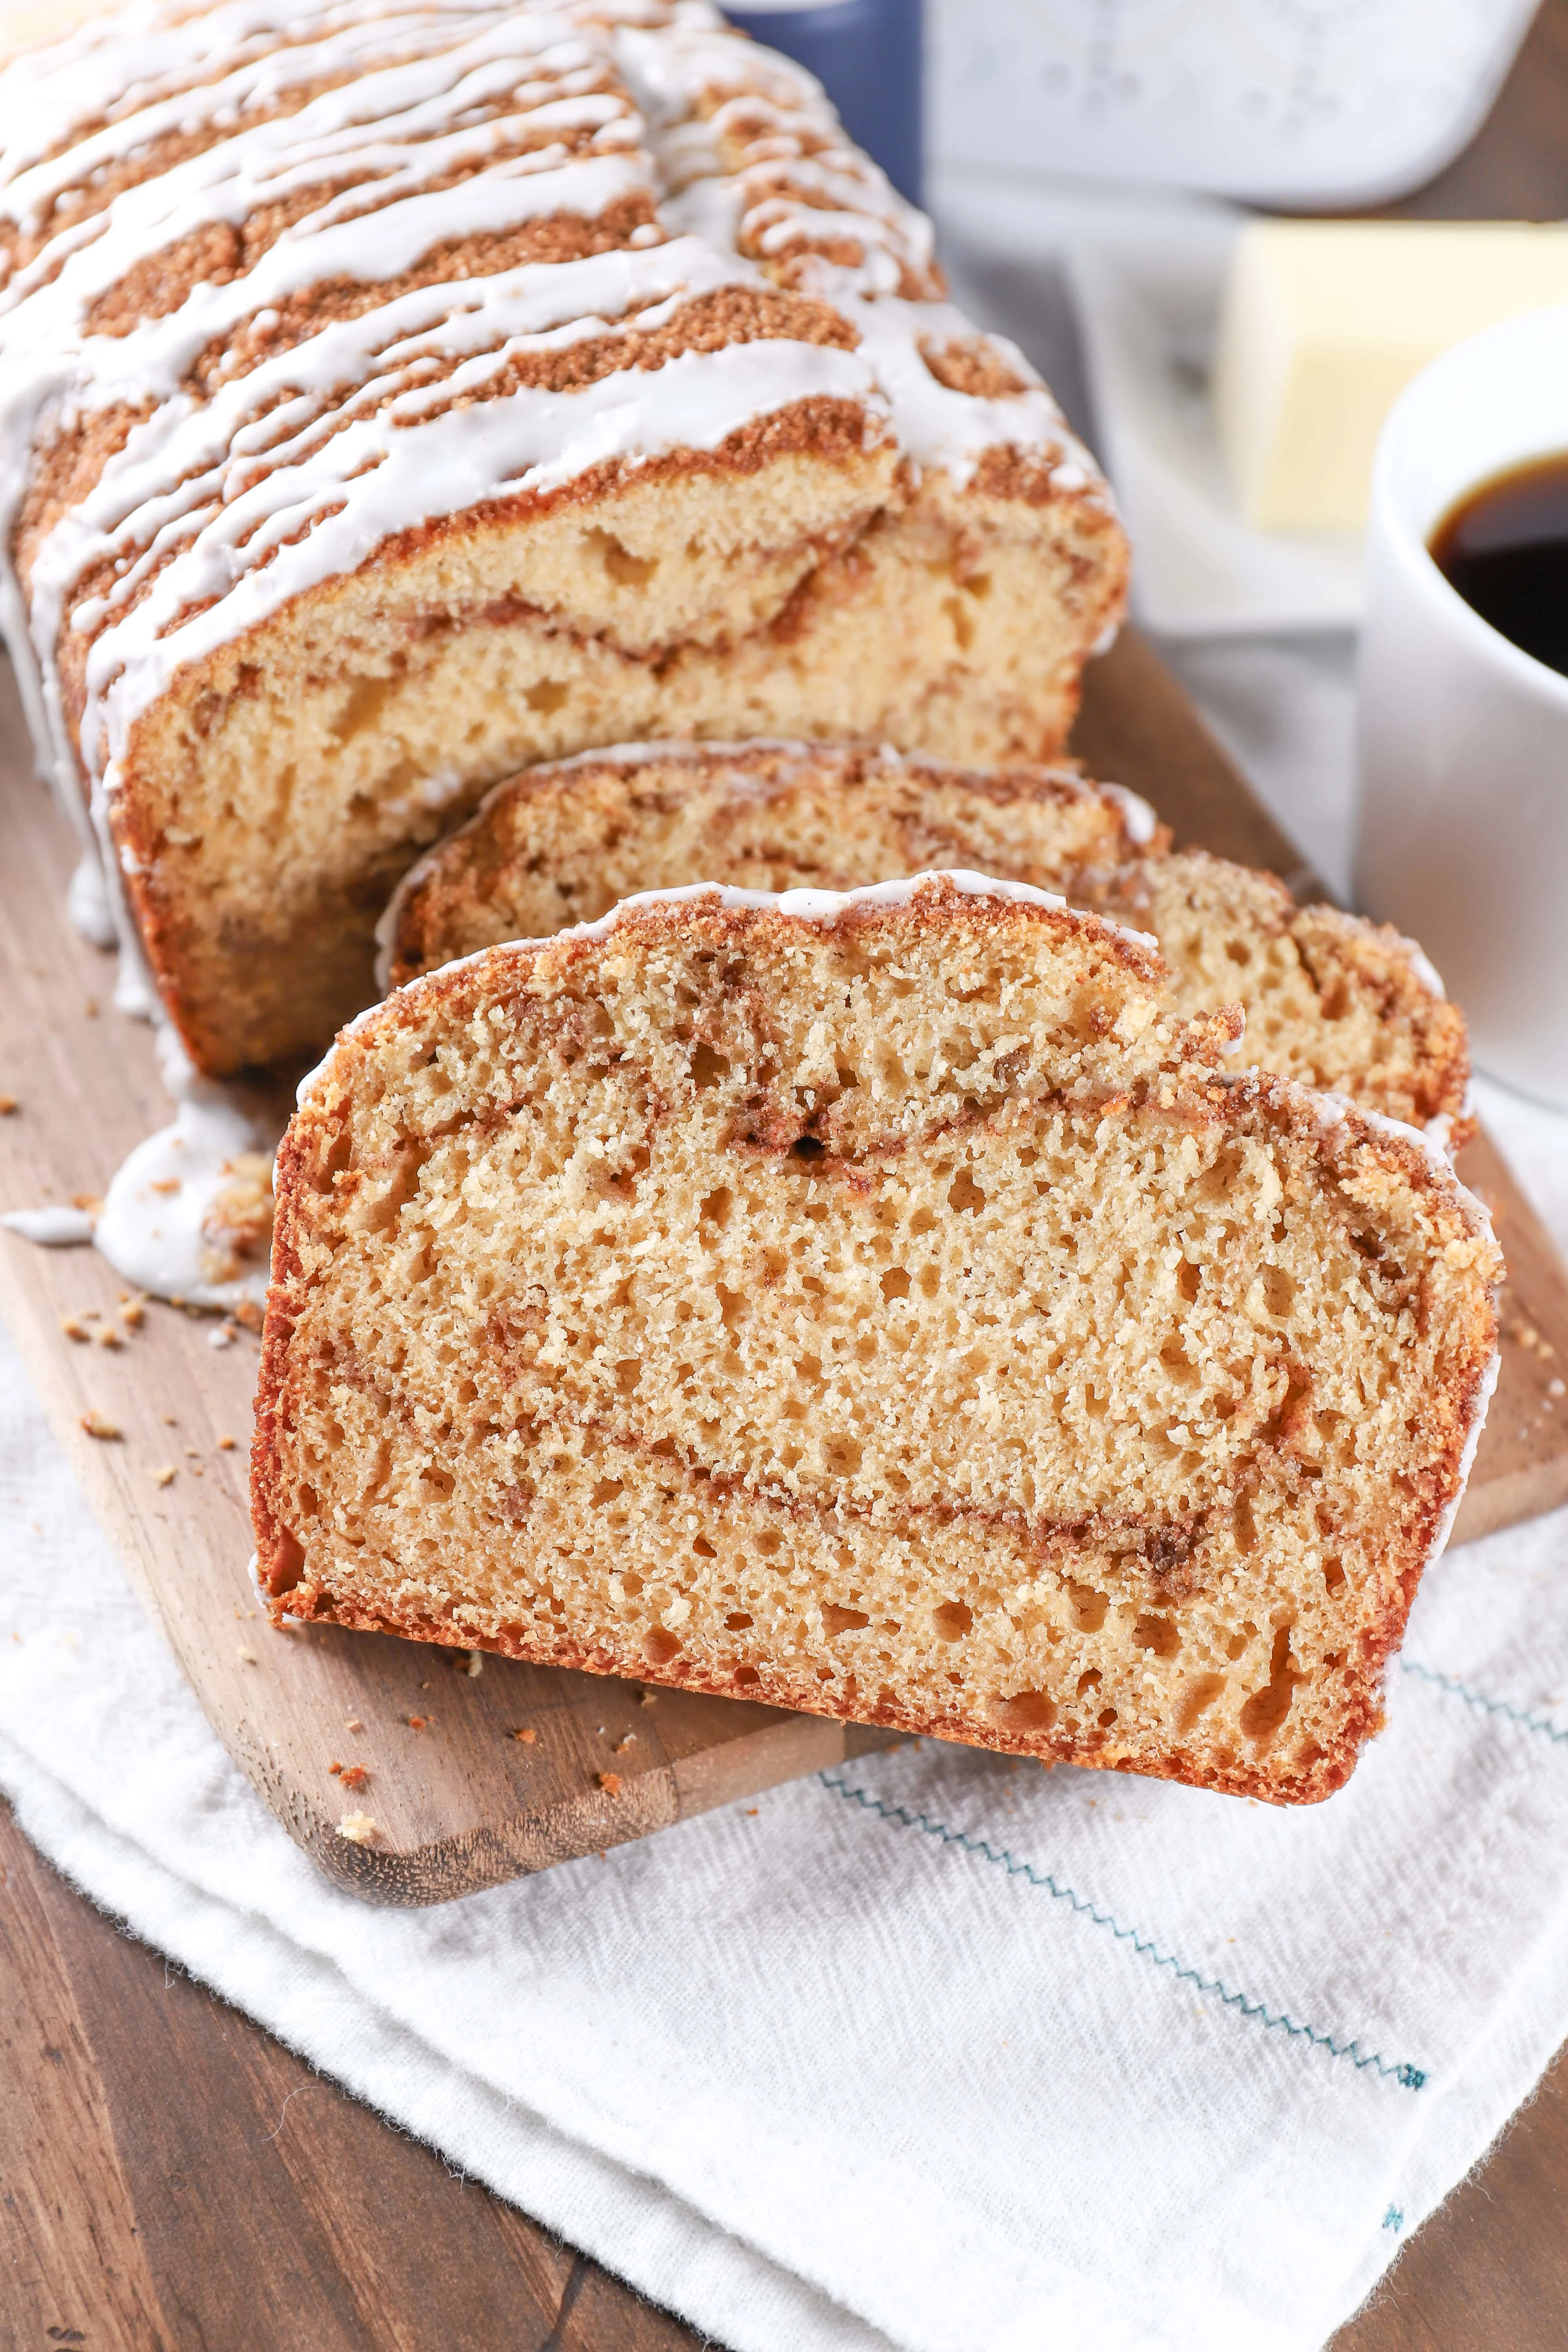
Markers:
(1463, 737)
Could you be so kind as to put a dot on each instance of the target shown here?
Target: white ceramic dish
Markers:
(1463, 738)
(1148, 309)
(1315, 104)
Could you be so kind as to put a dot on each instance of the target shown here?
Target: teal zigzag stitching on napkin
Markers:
(1408, 2077)
(1451, 1682)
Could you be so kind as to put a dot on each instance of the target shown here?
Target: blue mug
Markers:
(868, 57)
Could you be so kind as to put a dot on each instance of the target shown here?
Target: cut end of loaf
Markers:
(890, 1311)
(361, 460)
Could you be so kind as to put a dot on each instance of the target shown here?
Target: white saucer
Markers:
(1148, 310)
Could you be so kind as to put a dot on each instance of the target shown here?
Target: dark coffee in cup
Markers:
(1504, 546)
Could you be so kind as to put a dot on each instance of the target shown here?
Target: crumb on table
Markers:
(358, 1827)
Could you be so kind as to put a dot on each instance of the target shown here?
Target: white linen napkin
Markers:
(934, 2050)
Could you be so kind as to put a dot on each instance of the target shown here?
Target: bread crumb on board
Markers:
(359, 1829)
(610, 1783)
(96, 1425)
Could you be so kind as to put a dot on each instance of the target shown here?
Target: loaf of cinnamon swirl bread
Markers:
(391, 397)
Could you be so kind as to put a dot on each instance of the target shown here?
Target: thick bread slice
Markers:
(563, 843)
(1329, 998)
(880, 1306)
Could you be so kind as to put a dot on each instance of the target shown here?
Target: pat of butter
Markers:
(1323, 325)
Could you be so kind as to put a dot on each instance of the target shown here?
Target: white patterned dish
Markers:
(1308, 103)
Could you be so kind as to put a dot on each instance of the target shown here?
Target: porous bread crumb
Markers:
(358, 1827)
(610, 1783)
(1329, 998)
(166, 1475)
(527, 1736)
(898, 1315)
(97, 1425)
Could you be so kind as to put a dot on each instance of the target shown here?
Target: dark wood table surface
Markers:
(172, 2180)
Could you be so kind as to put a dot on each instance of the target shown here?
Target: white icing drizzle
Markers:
(1136, 813)
(401, 114)
(187, 1215)
(87, 903)
(51, 1228)
(447, 122)
(1485, 1392)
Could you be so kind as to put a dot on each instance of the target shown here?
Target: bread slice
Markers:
(879, 1305)
(1329, 998)
(392, 398)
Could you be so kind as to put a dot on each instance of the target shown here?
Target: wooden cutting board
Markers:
(459, 1801)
